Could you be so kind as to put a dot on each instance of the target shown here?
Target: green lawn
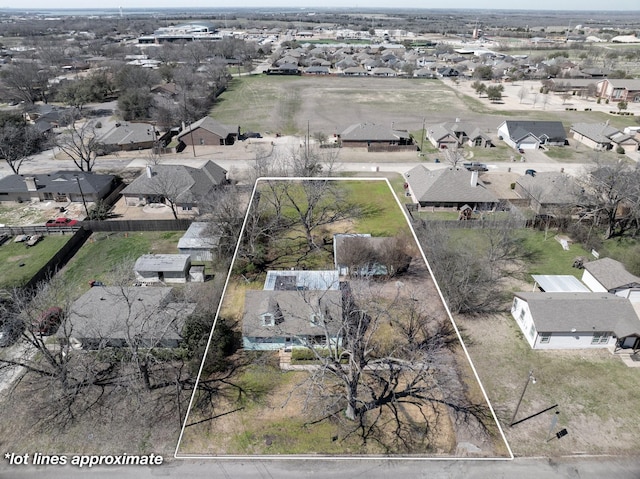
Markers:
(18, 263)
(384, 217)
(104, 252)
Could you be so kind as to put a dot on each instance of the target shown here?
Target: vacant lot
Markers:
(330, 104)
(290, 104)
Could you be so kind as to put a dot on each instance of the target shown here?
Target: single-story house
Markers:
(576, 320)
(609, 275)
(455, 134)
(198, 242)
(61, 186)
(114, 316)
(127, 136)
(365, 134)
(163, 268)
(549, 192)
(531, 135)
(186, 186)
(619, 90)
(207, 131)
(448, 188)
(602, 136)
(282, 319)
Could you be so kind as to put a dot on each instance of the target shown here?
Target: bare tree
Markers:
(392, 388)
(610, 194)
(315, 203)
(26, 81)
(522, 94)
(18, 141)
(453, 156)
(471, 274)
(80, 141)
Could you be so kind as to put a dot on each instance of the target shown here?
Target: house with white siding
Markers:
(294, 308)
(610, 276)
(576, 320)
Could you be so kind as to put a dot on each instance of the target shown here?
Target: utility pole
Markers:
(86, 210)
(529, 378)
(424, 132)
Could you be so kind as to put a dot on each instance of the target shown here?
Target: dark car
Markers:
(530, 172)
(475, 166)
(48, 322)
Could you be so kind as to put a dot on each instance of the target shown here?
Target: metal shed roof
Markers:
(559, 283)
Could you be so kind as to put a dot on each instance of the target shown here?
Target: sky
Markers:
(464, 4)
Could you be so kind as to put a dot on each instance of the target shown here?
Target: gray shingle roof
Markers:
(209, 124)
(292, 311)
(598, 132)
(554, 130)
(551, 188)
(104, 312)
(584, 312)
(162, 262)
(448, 185)
(611, 273)
(373, 132)
(189, 183)
(58, 182)
(126, 133)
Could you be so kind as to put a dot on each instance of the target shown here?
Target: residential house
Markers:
(127, 136)
(207, 131)
(531, 135)
(619, 90)
(295, 308)
(448, 188)
(163, 268)
(111, 316)
(609, 275)
(61, 186)
(576, 320)
(198, 242)
(602, 136)
(366, 134)
(456, 134)
(184, 186)
(549, 192)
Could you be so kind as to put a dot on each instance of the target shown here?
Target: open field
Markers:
(291, 105)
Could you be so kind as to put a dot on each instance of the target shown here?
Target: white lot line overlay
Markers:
(399, 457)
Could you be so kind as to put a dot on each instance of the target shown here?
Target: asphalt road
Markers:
(522, 468)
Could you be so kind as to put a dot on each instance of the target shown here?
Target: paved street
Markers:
(523, 468)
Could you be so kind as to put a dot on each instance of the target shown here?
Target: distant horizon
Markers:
(579, 7)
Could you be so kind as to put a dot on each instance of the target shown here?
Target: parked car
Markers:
(61, 222)
(33, 240)
(521, 151)
(530, 172)
(48, 322)
(476, 166)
